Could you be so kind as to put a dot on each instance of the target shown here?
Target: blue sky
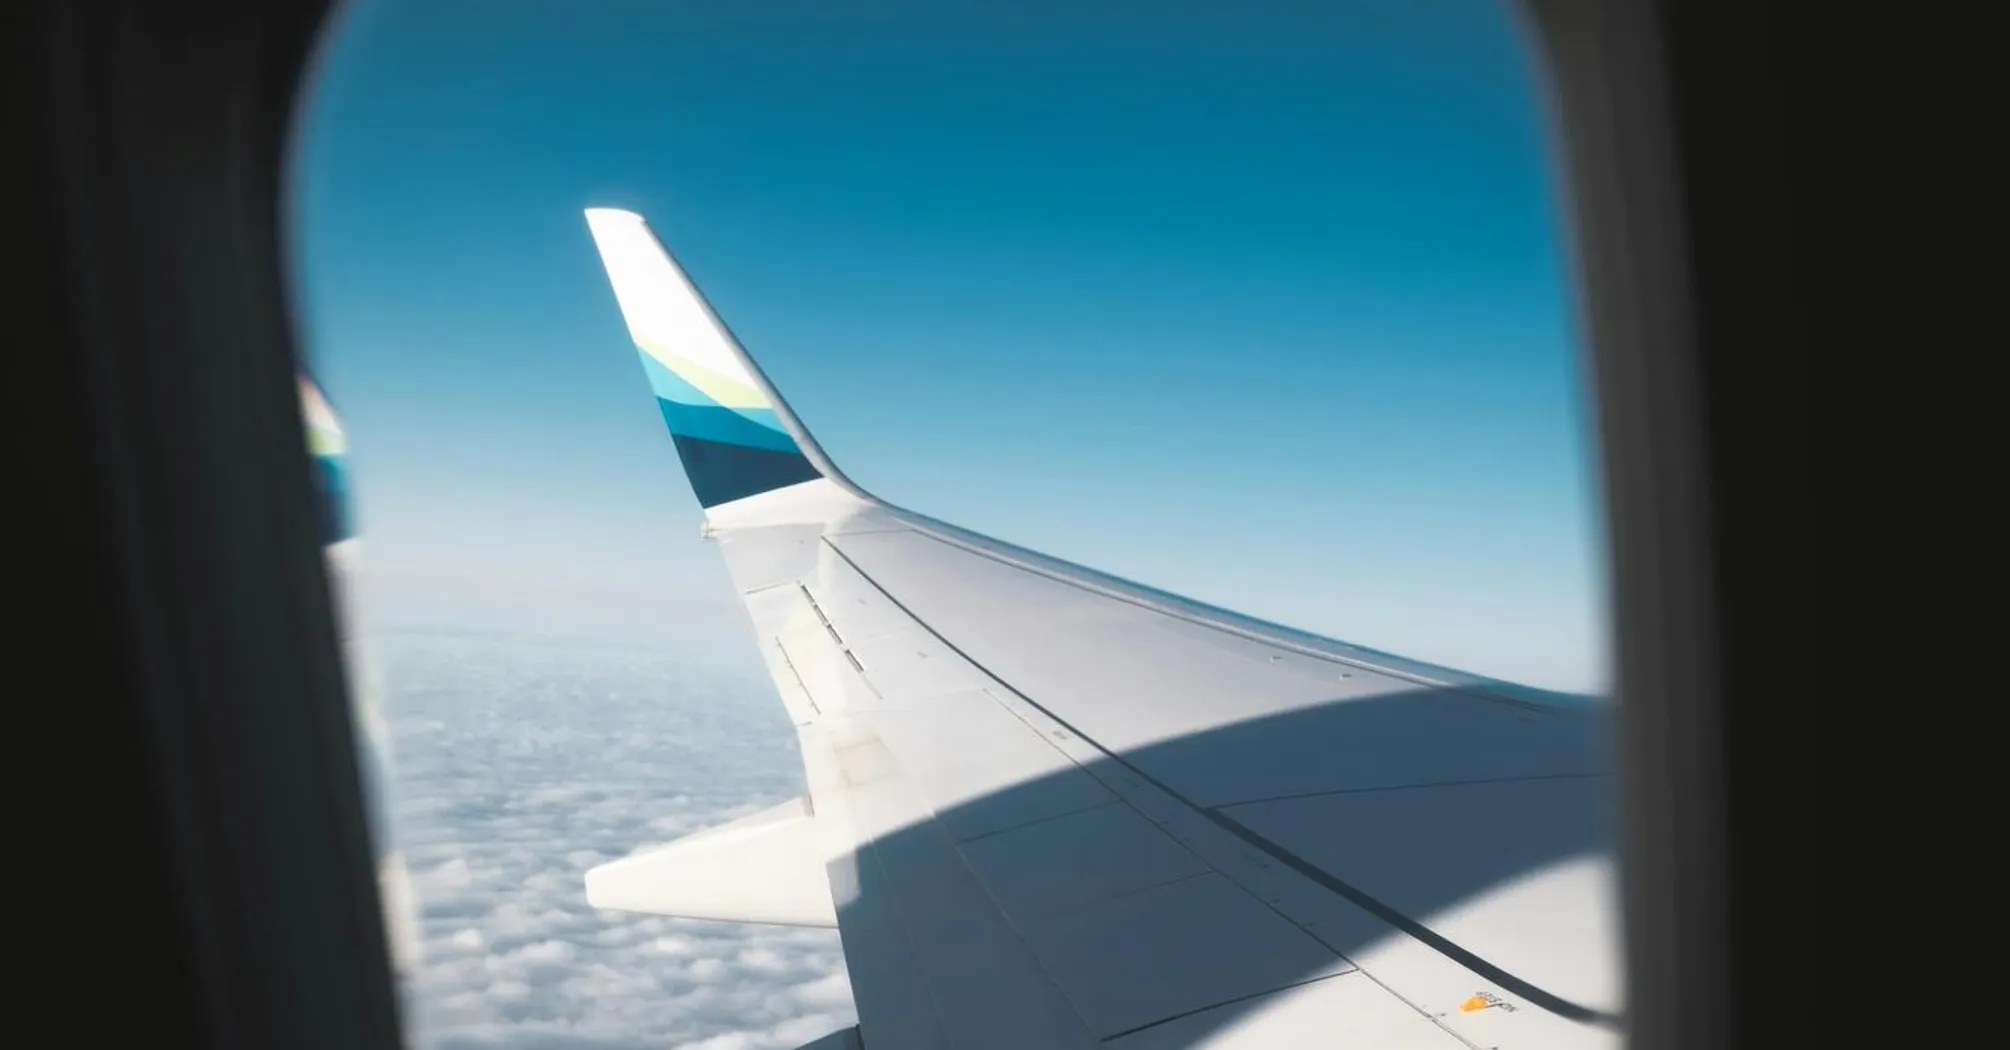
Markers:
(1271, 311)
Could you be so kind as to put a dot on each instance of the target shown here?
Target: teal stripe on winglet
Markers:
(725, 426)
(669, 385)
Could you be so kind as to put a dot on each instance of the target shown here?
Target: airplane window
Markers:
(1101, 442)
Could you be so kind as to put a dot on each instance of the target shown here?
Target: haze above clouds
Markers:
(523, 761)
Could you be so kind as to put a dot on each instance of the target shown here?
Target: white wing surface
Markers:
(1055, 808)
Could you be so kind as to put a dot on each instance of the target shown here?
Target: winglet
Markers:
(734, 433)
(330, 448)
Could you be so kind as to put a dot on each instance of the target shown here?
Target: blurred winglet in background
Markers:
(329, 447)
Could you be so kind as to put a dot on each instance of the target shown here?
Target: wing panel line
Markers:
(1040, 819)
(1232, 1002)
(808, 697)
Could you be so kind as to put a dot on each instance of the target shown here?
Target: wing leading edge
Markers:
(1055, 808)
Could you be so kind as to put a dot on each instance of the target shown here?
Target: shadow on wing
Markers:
(1167, 891)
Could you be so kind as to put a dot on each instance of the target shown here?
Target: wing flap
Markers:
(1417, 848)
(767, 867)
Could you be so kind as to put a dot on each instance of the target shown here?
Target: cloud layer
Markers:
(521, 763)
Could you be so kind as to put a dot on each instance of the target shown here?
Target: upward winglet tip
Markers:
(726, 421)
(600, 214)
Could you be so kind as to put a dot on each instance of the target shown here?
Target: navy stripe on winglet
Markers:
(333, 477)
(722, 473)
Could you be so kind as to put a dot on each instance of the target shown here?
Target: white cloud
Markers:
(523, 762)
(829, 992)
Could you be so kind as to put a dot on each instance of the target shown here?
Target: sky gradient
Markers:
(1272, 312)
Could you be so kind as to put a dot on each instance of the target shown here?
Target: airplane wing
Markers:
(1050, 807)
